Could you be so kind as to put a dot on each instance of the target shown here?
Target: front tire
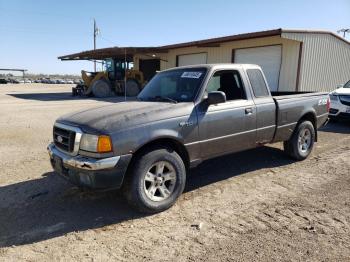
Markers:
(157, 179)
(300, 145)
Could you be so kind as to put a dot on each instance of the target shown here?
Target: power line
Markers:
(61, 15)
(70, 33)
(107, 40)
(44, 31)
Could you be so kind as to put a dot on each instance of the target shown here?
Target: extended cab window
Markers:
(257, 82)
(229, 82)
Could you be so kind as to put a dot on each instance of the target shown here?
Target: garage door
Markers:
(192, 59)
(268, 57)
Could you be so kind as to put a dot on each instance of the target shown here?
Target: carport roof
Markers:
(120, 52)
(115, 52)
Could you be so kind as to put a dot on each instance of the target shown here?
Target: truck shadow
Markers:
(48, 207)
(224, 167)
(62, 96)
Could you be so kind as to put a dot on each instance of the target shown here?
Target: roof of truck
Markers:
(218, 66)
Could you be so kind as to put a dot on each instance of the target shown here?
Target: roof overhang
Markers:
(113, 52)
(129, 52)
(12, 69)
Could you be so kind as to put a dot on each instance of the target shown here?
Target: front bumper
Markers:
(105, 173)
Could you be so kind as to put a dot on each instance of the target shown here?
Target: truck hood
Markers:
(115, 117)
(341, 91)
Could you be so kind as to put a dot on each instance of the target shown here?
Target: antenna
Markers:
(344, 31)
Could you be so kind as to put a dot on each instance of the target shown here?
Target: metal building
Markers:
(293, 60)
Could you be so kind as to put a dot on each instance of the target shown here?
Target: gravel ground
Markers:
(254, 205)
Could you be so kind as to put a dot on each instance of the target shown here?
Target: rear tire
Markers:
(156, 180)
(300, 145)
(101, 88)
(132, 87)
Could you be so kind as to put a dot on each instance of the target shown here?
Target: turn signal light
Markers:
(104, 144)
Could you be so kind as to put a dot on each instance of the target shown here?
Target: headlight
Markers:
(98, 144)
(89, 142)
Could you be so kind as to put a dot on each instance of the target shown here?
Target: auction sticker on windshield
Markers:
(191, 74)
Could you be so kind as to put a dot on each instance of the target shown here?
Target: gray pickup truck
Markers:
(183, 116)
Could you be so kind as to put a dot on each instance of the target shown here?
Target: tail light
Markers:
(328, 104)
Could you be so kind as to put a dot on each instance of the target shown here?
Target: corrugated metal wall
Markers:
(325, 61)
(223, 54)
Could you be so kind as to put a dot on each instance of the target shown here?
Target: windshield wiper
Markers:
(164, 98)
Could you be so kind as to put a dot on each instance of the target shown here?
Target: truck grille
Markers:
(64, 139)
(345, 100)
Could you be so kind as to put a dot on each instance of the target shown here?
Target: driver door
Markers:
(231, 126)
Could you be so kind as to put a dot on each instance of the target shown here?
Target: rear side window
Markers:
(257, 82)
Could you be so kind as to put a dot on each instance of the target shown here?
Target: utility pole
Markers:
(96, 31)
(125, 74)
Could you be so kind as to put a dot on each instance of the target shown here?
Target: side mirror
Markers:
(216, 97)
(340, 86)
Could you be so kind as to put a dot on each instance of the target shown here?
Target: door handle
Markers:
(248, 111)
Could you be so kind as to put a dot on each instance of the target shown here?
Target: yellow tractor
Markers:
(117, 79)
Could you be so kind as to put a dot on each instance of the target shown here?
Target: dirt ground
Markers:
(254, 205)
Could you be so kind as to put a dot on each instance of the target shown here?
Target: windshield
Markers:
(347, 85)
(109, 65)
(178, 85)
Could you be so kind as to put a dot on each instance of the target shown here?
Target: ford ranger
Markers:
(182, 117)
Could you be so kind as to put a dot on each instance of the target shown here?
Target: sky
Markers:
(33, 33)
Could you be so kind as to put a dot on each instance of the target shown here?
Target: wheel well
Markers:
(312, 118)
(164, 142)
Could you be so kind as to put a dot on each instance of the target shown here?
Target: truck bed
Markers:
(292, 106)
